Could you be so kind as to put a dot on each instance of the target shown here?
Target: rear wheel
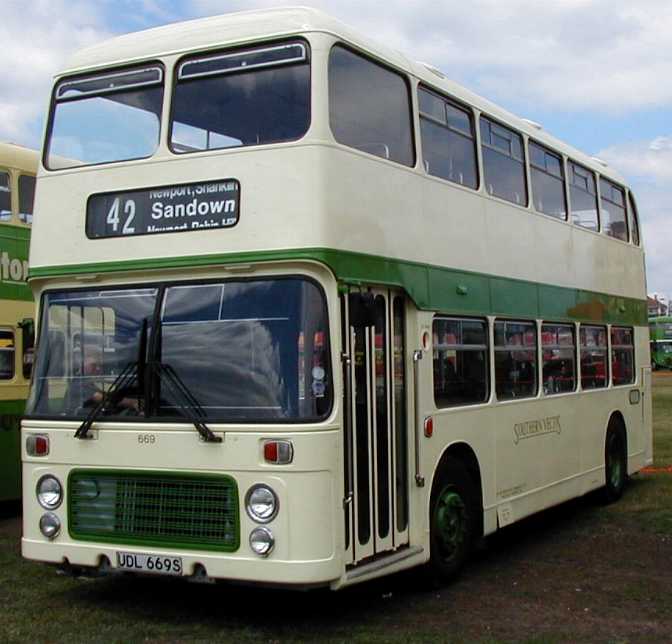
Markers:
(615, 462)
(453, 519)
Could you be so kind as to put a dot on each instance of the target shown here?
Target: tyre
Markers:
(452, 519)
(615, 462)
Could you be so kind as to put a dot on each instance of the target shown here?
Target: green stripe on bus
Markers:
(10, 449)
(432, 288)
(13, 248)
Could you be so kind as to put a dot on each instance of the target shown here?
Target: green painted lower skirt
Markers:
(432, 288)
(10, 449)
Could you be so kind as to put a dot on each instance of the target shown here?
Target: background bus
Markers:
(349, 316)
(18, 167)
(661, 342)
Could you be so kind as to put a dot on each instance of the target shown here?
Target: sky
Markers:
(595, 73)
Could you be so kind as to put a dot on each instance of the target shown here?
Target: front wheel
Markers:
(452, 519)
(615, 463)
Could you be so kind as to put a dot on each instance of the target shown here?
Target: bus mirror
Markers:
(27, 326)
(362, 310)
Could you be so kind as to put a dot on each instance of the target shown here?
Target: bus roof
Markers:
(247, 26)
(16, 156)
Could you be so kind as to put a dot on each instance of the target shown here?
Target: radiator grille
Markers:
(193, 511)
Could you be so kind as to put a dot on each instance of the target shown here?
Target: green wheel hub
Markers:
(451, 522)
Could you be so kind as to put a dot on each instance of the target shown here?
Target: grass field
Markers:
(580, 572)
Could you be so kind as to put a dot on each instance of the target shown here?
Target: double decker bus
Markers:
(310, 313)
(18, 166)
(661, 342)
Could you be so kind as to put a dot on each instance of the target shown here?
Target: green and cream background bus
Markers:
(17, 187)
(311, 313)
(661, 342)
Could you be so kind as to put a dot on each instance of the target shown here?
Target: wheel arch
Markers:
(464, 453)
(617, 418)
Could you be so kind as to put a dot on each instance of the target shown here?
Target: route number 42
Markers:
(114, 219)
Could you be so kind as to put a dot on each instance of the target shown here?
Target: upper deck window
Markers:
(612, 209)
(448, 141)
(26, 198)
(5, 196)
(370, 107)
(634, 220)
(583, 197)
(548, 181)
(246, 97)
(105, 118)
(503, 162)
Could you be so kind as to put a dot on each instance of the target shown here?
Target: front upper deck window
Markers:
(105, 118)
(246, 97)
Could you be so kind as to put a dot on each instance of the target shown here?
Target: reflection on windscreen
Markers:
(253, 350)
(87, 339)
(249, 350)
(112, 117)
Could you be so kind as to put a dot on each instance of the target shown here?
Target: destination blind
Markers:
(179, 208)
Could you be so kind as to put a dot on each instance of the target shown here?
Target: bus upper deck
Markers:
(290, 145)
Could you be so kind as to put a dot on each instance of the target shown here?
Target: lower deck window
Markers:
(515, 359)
(460, 362)
(622, 356)
(559, 360)
(6, 354)
(594, 366)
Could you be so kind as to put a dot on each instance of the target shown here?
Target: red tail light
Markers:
(278, 452)
(37, 445)
(429, 426)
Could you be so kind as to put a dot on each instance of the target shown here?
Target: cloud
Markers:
(608, 55)
(648, 165)
(648, 161)
(36, 39)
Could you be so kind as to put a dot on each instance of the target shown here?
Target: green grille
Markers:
(193, 511)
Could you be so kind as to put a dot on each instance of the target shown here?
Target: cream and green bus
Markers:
(310, 313)
(18, 166)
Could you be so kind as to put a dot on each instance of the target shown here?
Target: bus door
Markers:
(376, 439)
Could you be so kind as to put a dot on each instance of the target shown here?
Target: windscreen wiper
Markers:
(110, 398)
(186, 402)
(133, 371)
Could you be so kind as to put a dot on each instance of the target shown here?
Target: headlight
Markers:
(50, 525)
(262, 541)
(49, 492)
(261, 503)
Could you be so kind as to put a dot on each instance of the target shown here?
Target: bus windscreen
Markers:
(246, 351)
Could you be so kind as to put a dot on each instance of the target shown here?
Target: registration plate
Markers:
(158, 564)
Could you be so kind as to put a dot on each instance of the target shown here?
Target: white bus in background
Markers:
(310, 313)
